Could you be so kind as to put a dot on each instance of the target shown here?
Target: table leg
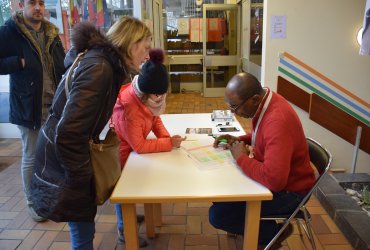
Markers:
(252, 224)
(157, 209)
(149, 220)
(130, 231)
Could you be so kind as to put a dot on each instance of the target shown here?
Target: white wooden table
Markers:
(173, 177)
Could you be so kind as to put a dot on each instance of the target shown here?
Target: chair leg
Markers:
(276, 237)
(309, 228)
(299, 227)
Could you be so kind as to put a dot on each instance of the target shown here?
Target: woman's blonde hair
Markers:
(125, 33)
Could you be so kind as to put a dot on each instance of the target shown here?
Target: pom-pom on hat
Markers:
(153, 78)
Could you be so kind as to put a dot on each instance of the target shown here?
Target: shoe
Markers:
(34, 215)
(121, 238)
(286, 233)
(140, 218)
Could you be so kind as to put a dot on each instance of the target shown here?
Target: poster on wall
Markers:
(183, 26)
(278, 27)
(196, 30)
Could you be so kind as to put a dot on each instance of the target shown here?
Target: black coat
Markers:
(26, 85)
(62, 185)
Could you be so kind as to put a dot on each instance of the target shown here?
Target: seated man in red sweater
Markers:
(275, 154)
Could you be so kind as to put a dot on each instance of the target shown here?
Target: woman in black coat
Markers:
(62, 185)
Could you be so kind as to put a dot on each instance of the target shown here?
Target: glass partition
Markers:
(182, 42)
(256, 31)
(220, 30)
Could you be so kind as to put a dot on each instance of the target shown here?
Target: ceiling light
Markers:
(359, 36)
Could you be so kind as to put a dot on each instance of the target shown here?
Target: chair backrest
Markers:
(319, 156)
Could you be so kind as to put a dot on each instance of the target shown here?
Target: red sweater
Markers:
(281, 161)
(133, 121)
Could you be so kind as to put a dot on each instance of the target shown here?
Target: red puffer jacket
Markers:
(133, 121)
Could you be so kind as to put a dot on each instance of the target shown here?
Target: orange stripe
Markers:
(297, 61)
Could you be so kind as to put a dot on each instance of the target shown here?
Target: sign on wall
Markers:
(278, 27)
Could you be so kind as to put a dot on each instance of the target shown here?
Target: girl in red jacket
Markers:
(136, 114)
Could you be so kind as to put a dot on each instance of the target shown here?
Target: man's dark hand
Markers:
(237, 149)
(229, 140)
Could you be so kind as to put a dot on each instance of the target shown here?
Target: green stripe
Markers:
(322, 95)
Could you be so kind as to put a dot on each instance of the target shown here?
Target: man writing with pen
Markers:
(275, 154)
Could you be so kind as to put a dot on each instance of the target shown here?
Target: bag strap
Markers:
(67, 82)
(68, 77)
(70, 70)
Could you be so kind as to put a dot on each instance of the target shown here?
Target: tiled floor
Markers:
(185, 226)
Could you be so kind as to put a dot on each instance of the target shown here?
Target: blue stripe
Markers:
(355, 106)
(324, 96)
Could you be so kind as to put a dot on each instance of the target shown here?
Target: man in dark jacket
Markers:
(32, 54)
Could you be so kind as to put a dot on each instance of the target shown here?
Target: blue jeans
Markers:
(230, 216)
(29, 137)
(82, 235)
(119, 217)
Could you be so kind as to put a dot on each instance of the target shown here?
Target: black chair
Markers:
(321, 159)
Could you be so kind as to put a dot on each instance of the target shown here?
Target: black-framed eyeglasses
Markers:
(234, 108)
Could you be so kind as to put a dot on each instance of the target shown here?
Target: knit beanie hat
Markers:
(153, 78)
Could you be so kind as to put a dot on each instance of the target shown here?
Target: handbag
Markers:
(104, 155)
(105, 161)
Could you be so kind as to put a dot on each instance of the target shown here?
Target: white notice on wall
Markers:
(183, 26)
(278, 27)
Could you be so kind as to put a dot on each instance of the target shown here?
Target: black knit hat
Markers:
(153, 78)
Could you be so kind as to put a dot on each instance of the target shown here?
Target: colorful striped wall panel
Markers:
(293, 93)
(324, 109)
(312, 81)
(339, 122)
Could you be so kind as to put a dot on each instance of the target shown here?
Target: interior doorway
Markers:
(157, 24)
(195, 66)
(221, 46)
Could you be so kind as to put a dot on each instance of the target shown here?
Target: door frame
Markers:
(218, 60)
(157, 24)
(246, 64)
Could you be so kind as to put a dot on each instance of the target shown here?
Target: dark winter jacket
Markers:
(62, 185)
(26, 84)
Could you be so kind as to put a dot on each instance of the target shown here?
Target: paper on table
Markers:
(198, 131)
(206, 156)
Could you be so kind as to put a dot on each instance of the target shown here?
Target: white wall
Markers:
(4, 83)
(7, 130)
(322, 34)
